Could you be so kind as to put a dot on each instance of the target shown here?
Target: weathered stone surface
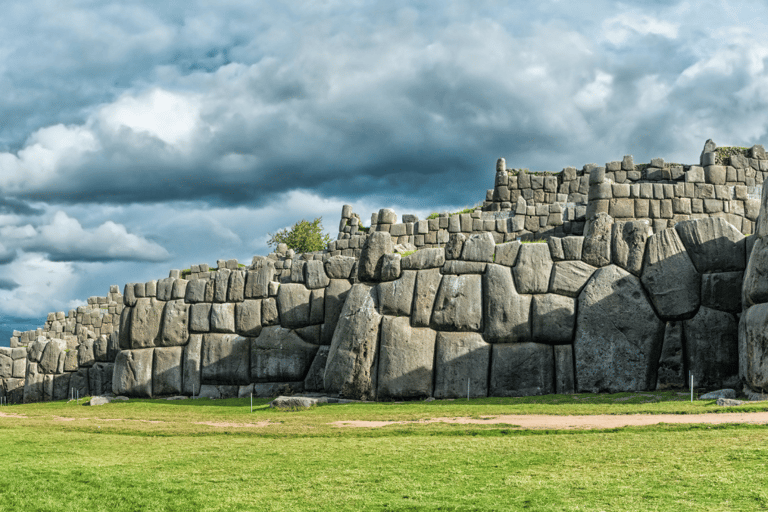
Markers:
(596, 248)
(100, 378)
(195, 291)
(132, 375)
(396, 297)
(78, 381)
(628, 244)
(459, 358)
(479, 247)
(427, 284)
(406, 357)
(61, 387)
(175, 331)
(454, 246)
(6, 366)
(458, 305)
(190, 378)
(293, 402)
(52, 359)
(713, 244)
(218, 391)
(506, 254)
(163, 289)
(569, 277)
(671, 372)
(376, 246)
(458, 267)
(279, 355)
(314, 275)
(36, 348)
(225, 359)
(755, 288)
(390, 267)
(223, 317)
(424, 259)
(339, 267)
(293, 302)
(720, 393)
(711, 344)
(620, 354)
(179, 289)
(101, 349)
(125, 328)
(167, 371)
(200, 317)
(85, 356)
(507, 313)
(33, 384)
(236, 290)
(572, 247)
(533, 268)
(258, 278)
(314, 379)
(269, 313)
(146, 319)
(553, 318)
(248, 317)
(335, 295)
(220, 284)
(670, 278)
(275, 389)
(522, 369)
(722, 291)
(565, 382)
(351, 367)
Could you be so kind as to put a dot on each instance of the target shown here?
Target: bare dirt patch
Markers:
(599, 421)
(225, 424)
(11, 415)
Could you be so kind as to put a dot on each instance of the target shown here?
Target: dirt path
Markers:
(599, 421)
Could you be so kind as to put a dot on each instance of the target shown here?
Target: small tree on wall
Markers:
(304, 236)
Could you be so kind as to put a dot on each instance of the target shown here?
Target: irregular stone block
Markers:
(220, 284)
(52, 359)
(132, 375)
(423, 259)
(621, 354)
(479, 247)
(711, 344)
(572, 247)
(33, 384)
(175, 331)
(507, 313)
(565, 382)
(85, 355)
(396, 297)
(293, 302)
(455, 245)
(179, 289)
(100, 378)
(553, 318)
(191, 361)
(61, 386)
(755, 289)
(351, 367)
(317, 307)
(461, 365)
(223, 318)
(218, 391)
(569, 277)
(101, 349)
(163, 289)
(225, 359)
(533, 268)
(390, 267)
(458, 305)
(671, 372)
(125, 328)
(427, 284)
(78, 381)
(522, 369)
(6, 366)
(339, 267)
(279, 355)
(314, 379)
(195, 291)
(335, 295)
(406, 358)
(146, 318)
(458, 267)
(670, 277)
(506, 254)
(258, 278)
(628, 247)
(315, 276)
(596, 248)
(269, 313)
(236, 290)
(713, 244)
(248, 317)
(167, 371)
(722, 291)
(200, 317)
(378, 244)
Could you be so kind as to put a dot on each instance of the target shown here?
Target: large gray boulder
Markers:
(569, 277)
(713, 244)
(479, 247)
(33, 384)
(711, 342)
(85, 355)
(167, 371)
(146, 319)
(339, 267)
(52, 359)
(522, 369)
(461, 365)
(78, 381)
(221, 284)
(248, 317)
(396, 297)
(507, 313)
(190, 378)
(225, 359)
(195, 291)
(424, 259)
(100, 378)
(293, 303)
(335, 295)
(223, 317)
(670, 278)
(258, 278)
(200, 317)
(314, 275)
(565, 382)
(236, 290)
(618, 336)
(61, 387)
(376, 246)
(351, 367)
(596, 249)
(553, 318)
(314, 379)
(755, 290)
(132, 374)
(722, 291)
(671, 372)
(175, 324)
(427, 284)
(533, 268)
(279, 355)
(406, 358)
(753, 347)
(506, 254)
(628, 244)
(458, 305)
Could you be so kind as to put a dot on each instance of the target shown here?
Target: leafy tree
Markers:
(304, 236)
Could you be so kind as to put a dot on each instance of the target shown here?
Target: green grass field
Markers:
(217, 455)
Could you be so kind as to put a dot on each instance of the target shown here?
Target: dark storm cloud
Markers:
(8, 284)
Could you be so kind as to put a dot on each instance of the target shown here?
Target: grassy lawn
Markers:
(217, 455)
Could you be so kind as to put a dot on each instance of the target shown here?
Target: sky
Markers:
(138, 137)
